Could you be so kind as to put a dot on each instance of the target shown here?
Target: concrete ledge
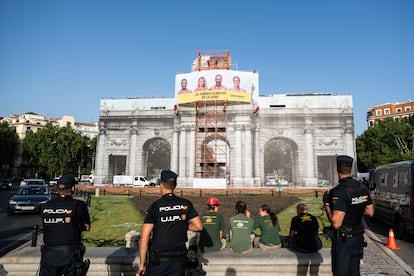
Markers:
(124, 261)
(267, 262)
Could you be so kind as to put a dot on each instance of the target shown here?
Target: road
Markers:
(406, 248)
(16, 229)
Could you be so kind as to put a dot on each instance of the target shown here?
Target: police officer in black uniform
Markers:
(64, 218)
(168, 218)
(345, 206)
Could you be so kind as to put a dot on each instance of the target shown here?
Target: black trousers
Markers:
(348, 256)
(169, 267)
(58, 262)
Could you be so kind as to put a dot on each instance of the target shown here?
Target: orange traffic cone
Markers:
(391, 241)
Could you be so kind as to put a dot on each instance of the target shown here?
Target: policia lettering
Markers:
(172, 218)
(57, 220)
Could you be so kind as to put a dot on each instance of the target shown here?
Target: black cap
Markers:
(166, 175)
(66, 181)
(344, 161)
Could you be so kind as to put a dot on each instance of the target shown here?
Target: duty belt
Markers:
(61, 247)
(173, 253)
(349, 232)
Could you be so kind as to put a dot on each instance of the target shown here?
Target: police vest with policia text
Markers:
(60, 225)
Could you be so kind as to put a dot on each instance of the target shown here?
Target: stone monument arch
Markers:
(223, 136)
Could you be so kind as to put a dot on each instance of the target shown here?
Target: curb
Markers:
(389, 252)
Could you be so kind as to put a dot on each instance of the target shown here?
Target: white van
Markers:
(134, 180)
(141, 181)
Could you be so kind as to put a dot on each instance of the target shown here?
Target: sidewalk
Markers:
(379, 260)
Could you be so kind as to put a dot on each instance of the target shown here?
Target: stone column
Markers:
(256, 144)
(237, 176)
(182, 152)
(191, 150)
(133, 149)
(309, 165)
(349, 139)
(100, 156)
(247, 145)
(174, 154)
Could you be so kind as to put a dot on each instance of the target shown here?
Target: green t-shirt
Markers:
(269, 234)
(241, 227)
(210, 240)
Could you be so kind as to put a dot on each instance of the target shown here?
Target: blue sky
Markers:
(60, 57)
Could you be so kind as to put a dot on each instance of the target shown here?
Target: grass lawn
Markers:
(113, 216)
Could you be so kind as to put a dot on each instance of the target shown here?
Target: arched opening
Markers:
(214, 156)
(280, 156)
(157, 157)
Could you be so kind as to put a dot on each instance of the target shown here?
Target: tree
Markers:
(52, 150)
(8, 146)
(387, 141)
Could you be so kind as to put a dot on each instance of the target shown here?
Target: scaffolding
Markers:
(212, 60)
(211, 148)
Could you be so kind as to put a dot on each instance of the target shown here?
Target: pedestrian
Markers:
(268, 226)
(64, 218)
(168, 219)
(241, 227)
(304, 229)
(345, 206)
(211, 238)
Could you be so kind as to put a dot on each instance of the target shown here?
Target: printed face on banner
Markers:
(213, 85)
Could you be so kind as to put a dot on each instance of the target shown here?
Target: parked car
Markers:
(53, 181)
(87, 179)
(271, 180)
(33, 181)
(28, 199)
(5, 184)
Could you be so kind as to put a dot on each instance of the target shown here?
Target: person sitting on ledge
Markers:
(304, 230)
(268, 226)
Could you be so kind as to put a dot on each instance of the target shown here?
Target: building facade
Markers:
(295, 137)
(397, 111)
(30, 121)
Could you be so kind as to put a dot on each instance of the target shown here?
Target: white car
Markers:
(33, 181)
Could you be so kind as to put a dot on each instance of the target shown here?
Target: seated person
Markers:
(241, 227)
(269, 228)
(304, 231)
(211, 238)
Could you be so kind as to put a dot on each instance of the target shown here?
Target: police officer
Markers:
(345, 207)
(64, 218)
(168, 218)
